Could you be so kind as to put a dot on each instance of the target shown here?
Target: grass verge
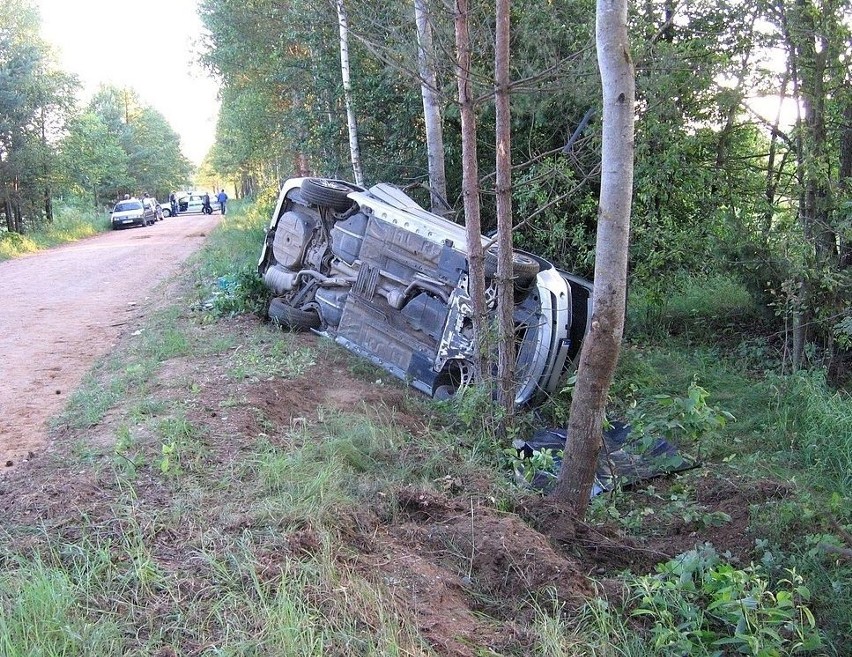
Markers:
(71, 223)
(220, 487)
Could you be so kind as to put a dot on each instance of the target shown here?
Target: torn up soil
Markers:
(457, 561)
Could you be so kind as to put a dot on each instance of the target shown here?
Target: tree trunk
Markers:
(505, 287)
(354, 148)
(809, 47)
(10, 222)
(431, 109)
(48, 206)
(48, 203)
(300, 164)
(845, 174)
(470, 180)
(19, 217)
(600, 350)
(773, 172)
(817, 222)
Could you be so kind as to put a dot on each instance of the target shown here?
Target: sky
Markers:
(145, 45)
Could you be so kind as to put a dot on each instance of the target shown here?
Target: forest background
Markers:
(721, 186)
(743, 135)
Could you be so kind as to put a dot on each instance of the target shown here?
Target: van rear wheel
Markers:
(284, 314)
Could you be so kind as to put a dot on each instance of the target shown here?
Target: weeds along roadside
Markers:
(793, 429)
(197, 521)
(72, 221)
(194, 537)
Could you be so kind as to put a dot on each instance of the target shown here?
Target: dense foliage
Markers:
(50, 147)
(721, 185)
(119, 145)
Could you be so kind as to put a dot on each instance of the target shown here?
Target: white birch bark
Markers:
(354, 149)
(431, 109)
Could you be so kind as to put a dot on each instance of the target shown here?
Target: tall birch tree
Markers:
(431, 108)
(601, 347)
(354, 148)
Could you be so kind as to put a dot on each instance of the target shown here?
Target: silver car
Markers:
(132, 212)
(387, 279)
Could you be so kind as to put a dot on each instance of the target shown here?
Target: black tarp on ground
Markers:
(622, 460)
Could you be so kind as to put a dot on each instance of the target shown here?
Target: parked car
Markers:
(387, 279)
(165, 208)
(151, 204)
(194, 203)
(132, 212)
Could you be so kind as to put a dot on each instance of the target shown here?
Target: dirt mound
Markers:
(453, 563)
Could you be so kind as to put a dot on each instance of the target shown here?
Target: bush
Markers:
(72, 221)
(697, 604)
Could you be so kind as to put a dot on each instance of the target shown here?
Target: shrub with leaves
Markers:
(240, 292)
(681, 420)
(527, 468)
(698, 604)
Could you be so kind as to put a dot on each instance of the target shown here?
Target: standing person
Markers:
(222, 197)
(173, 202)
(206, 208)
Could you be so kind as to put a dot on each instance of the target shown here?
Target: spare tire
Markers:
(327, 193)
(524, 267)
(297, 319)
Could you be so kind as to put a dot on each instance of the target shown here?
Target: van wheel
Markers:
(457, 375)
(444, 393)
(327, 193)
(524, 267)
(297, 319)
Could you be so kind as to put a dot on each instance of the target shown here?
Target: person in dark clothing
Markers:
(222, 197)
(206, 208)
(173, 203)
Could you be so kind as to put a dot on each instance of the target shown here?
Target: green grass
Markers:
(233, 535)
(598, 629)
(816, 425)
(227, 282)
(272, 354)
(41, 611)
(71, 223)
(704, 309)
(116, 378)
(791, 428)
(121, 582)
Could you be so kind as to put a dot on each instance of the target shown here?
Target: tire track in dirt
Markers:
(62, 309)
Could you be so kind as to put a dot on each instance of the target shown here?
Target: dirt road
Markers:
(62, 309)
